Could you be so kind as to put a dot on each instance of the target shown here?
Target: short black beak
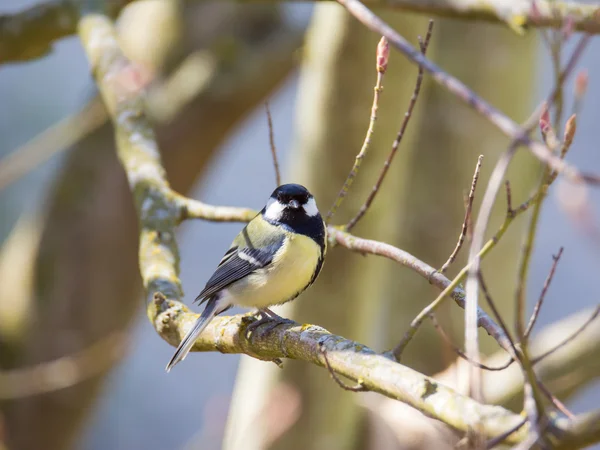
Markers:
(294, 204)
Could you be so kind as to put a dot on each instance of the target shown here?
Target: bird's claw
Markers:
(267, 316)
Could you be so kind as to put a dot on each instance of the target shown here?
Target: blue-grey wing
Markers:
(236, 264)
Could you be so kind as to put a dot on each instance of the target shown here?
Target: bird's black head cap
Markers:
(285, 193)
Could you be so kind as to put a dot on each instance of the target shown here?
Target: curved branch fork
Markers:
(377, 373)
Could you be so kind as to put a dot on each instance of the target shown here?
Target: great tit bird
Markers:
(273, 260)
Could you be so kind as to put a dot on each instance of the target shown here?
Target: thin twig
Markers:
(460, 353)
(531, 388)
(495, 311)
(555, 42)
(533, 404)
(570, 338)
(509, 208)
(502, 437)
(358, 387)
(538, 304)
(381, 66)
(471, 338)
(465, 225)
(272, 144)
(555, 401)
(523, 271)
(388, 162)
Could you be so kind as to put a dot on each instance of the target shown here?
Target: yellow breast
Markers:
(288, 275)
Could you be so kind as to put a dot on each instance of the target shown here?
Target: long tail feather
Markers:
(190, 338)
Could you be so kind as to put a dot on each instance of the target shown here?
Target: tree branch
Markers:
(348, 358)
(375, 372)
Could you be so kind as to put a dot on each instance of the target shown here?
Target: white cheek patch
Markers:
(274, 211)
(310, 207)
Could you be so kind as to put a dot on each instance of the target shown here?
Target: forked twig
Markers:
(467, 220)
(388, 162)
(383, 51)
(272, 145)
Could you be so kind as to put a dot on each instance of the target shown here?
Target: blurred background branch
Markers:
(30, 34)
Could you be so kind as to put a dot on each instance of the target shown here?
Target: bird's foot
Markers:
(267, 316)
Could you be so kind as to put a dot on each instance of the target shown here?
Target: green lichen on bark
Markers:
(228, 334)
(157, 210)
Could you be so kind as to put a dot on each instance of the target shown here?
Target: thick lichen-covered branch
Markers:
(353, 360)
(159, 208)
(374, 372)
(138, 152)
